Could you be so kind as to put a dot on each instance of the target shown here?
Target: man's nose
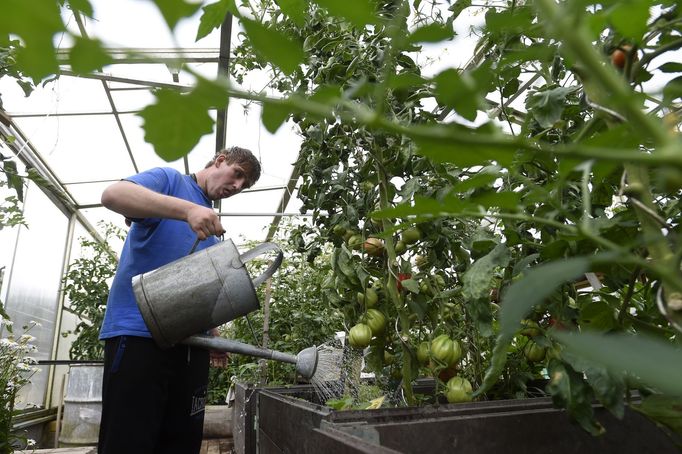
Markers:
(240, 184)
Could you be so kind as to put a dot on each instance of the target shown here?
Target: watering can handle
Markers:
(261, 249)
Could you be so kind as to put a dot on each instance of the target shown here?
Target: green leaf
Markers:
(547, 106)
(485, 177)
(507, 200)
(458, 91)
(569, 390)
(295, 10)
(14, 181)
(671, 67)
(274, 114)
(509, 20)
(175, 123)
(210, 94)
(88, 55)
(664, 409)
(672, 90)
(411, 285)
(406, 80)
(431, 33)
(82, 6)
(276, 47)
(214, 15)
(630, 17)
(35, 22)
(174, 10)
(357, 12)
(598, 316)
(537, 284)
(477, 279)
(654, 362)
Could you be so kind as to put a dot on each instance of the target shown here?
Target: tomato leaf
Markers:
(536, 284)
(274, 114)
(276, 47)
(651, 361)
(88, 55)
(82, 6)
(175, 123)
(672, 90)
(174, 10)
(476, 280)
(664, 409)
(458, 91)
(569, 390)
(630, 17)
(35, 22)
(411, 285)
(357, 12)
(213, 16)
(431, 33)
(547, 106)
(294, 9)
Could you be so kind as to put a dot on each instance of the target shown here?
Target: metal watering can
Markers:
(207, 289)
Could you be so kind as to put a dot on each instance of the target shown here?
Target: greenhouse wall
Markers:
(33, 280)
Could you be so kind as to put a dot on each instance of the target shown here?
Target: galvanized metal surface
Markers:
(199, 292)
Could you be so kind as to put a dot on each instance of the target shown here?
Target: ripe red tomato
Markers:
(402, 277)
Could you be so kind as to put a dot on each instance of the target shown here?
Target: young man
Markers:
(152, 399)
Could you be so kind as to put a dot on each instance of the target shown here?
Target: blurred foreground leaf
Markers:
(653, 362)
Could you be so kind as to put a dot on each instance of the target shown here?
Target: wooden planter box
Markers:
(280, 420)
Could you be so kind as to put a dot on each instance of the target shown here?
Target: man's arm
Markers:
(135, 201)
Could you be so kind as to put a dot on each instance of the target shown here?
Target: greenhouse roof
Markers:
(84, 133)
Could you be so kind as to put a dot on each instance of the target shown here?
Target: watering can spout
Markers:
(305, 361)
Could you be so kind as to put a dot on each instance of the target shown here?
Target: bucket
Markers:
(82, 405)
(201, 291)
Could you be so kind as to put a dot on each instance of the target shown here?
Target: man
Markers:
(152, 399)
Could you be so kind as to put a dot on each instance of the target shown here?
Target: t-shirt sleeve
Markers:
(157, 180)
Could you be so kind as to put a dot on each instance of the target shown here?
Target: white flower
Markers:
(34, 323)
(26, 338)
(30, 442)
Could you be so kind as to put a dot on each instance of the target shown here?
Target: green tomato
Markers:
(371, 297)
(458, 389)
(339, 230)
(367, 186)
(400, 247)
(376, 320)
(355, 241)
(455, 355)
(359, 336)
(411, 235)
(534, 352)
(442, 347)
(530, 328)
(423, 352)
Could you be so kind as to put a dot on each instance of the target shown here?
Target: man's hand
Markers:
(218, 358)
(204, 221)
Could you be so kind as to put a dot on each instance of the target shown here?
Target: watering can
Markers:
(200, 291)
(207, 289)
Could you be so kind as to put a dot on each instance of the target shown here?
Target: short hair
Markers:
(244, 158)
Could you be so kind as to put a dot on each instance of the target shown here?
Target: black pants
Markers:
(152, 400)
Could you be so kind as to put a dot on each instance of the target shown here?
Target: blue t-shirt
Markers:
(150, 244)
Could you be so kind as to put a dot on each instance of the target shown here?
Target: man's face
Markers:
(226, 180)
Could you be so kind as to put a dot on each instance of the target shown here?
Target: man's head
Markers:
(228, 173)
(244, 158)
